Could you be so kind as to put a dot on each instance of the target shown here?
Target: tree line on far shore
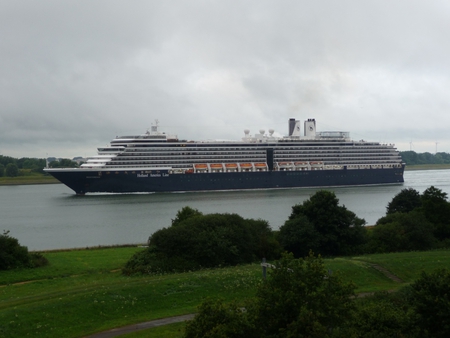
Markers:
(13, 167)
(412, 158)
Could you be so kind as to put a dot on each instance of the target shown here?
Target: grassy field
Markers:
(28, 178)
(427, 167)
(82, 291)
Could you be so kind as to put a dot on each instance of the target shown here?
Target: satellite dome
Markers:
(246, 131)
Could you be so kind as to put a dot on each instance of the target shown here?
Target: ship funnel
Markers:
(291, 126)
(294, 127)
(310, 128)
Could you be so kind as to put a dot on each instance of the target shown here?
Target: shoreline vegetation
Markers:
(82, 292)
(37, 178)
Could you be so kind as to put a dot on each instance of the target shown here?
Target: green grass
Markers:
(82, 291)
(427, 166)
(366, 278)
(87, 295)
(73, 262)
(28, 177)
(409, 265)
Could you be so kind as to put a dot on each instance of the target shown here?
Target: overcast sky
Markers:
(74, 74)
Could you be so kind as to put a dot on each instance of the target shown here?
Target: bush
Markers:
(335, 229)
(405, 201)
(215, 319)
(197, 241)
(402, 232)
(12, 170)
(299, 236)
(298, 299)
(431, 302)
(13, 255)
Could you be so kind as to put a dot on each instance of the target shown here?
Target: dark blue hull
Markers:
(86, 181)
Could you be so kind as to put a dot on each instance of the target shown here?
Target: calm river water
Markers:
(50, 216)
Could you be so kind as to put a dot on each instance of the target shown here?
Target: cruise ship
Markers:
(157, 162)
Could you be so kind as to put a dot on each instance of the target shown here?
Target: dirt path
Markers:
(141, 326)
(386, 272)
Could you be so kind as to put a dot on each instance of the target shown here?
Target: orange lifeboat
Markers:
(260, 165)
(300, 164)
(285, 164)
(231, 165)
(246, 165)
(216, 166)
(200, 166)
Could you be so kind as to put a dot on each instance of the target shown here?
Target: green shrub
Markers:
(197, 241)
(402, 232)
(13, 255)
(298, 299)
(331, 229)
(12, 170)
(431, 302)
(384, 315)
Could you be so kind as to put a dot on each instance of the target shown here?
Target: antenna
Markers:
(436, 147)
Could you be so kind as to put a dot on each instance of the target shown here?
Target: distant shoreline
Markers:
(427, 167)
(44, 179)
(28, 180)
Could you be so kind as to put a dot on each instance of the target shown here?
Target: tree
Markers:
(12, 254)
(341, 231)
(298, 299)
(299, 236)
(402, 232)
(184, 214)
(384, 315)
(431, 302)
(12, 170)
(2, 170)
(63, 163)
(263, 240)
(216, 319)
(405, 201)
(196, 241)
(437, 211)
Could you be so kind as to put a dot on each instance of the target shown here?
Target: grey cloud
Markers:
(74, 74)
